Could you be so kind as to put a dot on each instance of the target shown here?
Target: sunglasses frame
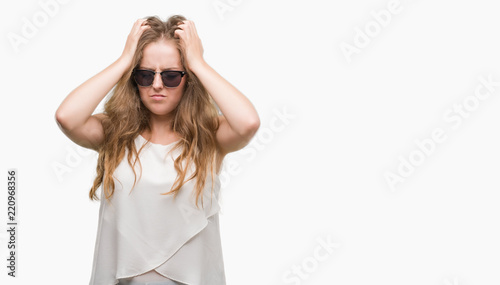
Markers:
(161, 76)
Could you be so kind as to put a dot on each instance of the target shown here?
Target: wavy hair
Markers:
(195, 120)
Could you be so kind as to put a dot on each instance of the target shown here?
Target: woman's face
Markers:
(159, 56)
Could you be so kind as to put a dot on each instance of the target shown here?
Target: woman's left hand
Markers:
(191, 43)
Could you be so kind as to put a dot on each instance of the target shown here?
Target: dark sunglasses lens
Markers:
(171, 78)
(144, 77)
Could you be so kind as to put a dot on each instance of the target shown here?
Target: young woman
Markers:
(161, 144)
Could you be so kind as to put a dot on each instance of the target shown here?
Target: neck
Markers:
(160, 127)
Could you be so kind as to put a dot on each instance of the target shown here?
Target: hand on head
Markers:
(190, 42)
(133, 38)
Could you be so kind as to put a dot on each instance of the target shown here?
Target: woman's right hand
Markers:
(133, 38)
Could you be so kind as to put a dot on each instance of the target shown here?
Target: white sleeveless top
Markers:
(141, 230)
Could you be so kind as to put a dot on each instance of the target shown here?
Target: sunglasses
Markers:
(170, 78)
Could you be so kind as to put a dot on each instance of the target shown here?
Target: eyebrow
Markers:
(168, 68)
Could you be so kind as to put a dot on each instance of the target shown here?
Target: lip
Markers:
(158, 96)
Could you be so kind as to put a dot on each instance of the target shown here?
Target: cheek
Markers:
(176, 97)
(179, 92)
(142, 94)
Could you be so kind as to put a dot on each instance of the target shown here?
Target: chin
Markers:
(161, 111)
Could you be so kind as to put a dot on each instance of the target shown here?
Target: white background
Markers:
(318, 174)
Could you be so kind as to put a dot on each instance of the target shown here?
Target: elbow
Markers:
(252, 126)
(61, 120)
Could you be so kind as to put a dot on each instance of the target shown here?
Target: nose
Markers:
(157, 82)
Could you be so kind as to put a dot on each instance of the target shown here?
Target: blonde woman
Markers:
(161, 144)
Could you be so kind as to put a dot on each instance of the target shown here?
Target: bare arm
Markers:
(74, 115)
(240, 121)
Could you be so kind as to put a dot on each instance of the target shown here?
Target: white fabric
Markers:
(141, 230)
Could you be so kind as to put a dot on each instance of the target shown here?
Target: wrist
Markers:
(124, 61)
(198, 66)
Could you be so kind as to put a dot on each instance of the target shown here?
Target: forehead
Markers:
(162, 54)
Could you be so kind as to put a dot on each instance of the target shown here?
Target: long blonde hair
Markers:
(195, 120)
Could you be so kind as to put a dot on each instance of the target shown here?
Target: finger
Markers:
(194, 28)
(179, 33)
(138, 24)
(141, 25)
(189, 27)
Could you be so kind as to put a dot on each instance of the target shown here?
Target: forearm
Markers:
(236, 108)
(79, 105)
